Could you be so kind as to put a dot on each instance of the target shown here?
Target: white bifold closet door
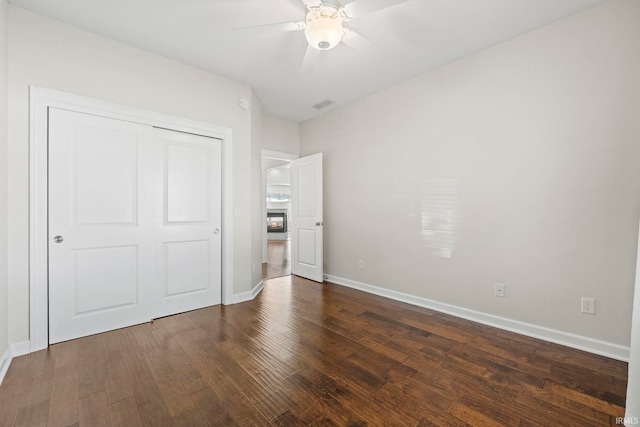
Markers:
(134, 217)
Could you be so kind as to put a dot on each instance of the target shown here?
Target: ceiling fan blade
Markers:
(274, 28)
(358, 8)
(310, 60)
(358, 42)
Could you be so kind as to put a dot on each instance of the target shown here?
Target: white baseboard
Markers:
(602, 348)
(12, 350)
(5, 361)
(20, 348)
(248, 296)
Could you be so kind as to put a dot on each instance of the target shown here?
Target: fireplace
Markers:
(276, 222)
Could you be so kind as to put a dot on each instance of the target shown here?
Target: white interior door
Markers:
(307, 218)
(134, 223)
(188, 236)
(100, 228)
(633, 385)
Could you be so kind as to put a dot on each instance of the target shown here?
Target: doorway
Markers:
(276, 176)
(293, 202)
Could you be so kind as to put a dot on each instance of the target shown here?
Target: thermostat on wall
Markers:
(244, 103)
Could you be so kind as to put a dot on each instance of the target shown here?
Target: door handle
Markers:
(216, 231)
(58, 239)
(318, 224)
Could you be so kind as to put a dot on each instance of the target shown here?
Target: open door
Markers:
(633, 385)
(307, 218)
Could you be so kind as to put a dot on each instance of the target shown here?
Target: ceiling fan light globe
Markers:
(324, 33)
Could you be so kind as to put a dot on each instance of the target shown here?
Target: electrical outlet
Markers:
(361, 264)
(588, 305)
(499, 290)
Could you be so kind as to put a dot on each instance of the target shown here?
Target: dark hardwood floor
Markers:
(278, 259)
(304, 353)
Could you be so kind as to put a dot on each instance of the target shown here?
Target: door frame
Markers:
(40, 100)
(276, 155)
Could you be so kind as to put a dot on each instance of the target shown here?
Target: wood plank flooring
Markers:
(278, 259)
(304, 353)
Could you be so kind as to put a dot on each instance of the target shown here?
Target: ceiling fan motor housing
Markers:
(324, 27)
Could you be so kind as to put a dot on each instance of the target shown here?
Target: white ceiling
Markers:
(409, 38)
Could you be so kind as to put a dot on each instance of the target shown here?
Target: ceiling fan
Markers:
(323, 25)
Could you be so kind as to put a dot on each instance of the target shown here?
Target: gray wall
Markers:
(280, 135)
(518, 165)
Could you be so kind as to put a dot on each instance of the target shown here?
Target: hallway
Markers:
(278, 259)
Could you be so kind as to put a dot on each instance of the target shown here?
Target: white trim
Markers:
(12, 350)
(263, 207)
(5, 362)
(279, 155)
(40, 101)
(603, 348)
(248, 296)
(20, 348)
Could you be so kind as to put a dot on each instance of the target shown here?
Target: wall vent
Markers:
(323, 104)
